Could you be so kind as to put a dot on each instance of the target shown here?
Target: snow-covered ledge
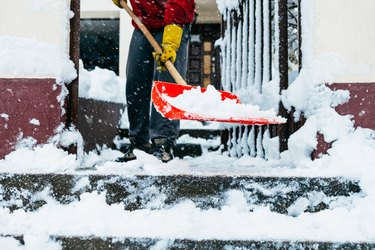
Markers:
(34, 68)
(351, 37)
(337, 51)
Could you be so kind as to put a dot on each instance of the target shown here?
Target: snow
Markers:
(32, 58)
(38, 159)
(101, 84)
(310, 97)
(197, 224)
(223, 5)
(35, 122)
(194, 99)
(352, 156)
(4, 116)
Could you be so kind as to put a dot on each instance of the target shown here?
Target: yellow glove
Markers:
(172, 36)
(117, 2)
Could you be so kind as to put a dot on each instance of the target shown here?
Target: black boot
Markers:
(162, 150)
(128, 150)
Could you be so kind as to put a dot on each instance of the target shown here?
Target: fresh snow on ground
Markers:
(18, 56)
(351, 220)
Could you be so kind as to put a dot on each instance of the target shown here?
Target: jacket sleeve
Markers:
(179, 12)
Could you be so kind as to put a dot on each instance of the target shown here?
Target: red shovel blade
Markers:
(162, 89)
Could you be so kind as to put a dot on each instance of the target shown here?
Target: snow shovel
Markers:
(164, 92)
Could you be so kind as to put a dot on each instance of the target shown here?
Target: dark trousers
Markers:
(141, 72)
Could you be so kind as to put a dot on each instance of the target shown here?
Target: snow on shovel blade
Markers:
(207, 104)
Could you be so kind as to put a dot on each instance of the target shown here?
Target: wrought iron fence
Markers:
(260, 42)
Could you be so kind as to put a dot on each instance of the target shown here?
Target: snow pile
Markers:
(311, 97)
(101, 84)
(46, 158)
(209, 103)
(181, 221)
(227, 4)
(32, 58)
(30, 158)
(352, 221)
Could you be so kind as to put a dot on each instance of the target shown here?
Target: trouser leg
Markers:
(161, 127)
(139, 72)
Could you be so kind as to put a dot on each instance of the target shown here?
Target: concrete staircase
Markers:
(280, 194)
(113, 243)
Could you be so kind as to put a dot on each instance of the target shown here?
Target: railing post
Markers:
(283, 130)
(72, 99)
(299, 25)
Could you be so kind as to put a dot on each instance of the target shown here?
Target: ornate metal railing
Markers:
(259, 42)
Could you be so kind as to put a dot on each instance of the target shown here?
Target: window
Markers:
(99, 41)
(204, 64)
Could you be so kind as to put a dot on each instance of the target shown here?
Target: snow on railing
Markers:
(254, 48)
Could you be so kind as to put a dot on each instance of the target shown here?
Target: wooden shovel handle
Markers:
(169, 65)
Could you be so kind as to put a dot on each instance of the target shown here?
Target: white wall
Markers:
(34, 38)
(45, 21)
(106, 9)
(347, 29)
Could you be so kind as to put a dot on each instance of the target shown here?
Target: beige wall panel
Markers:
(347, 29)
(99, 9)
(42, 20)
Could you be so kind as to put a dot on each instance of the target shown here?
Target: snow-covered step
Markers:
(117, 243)
(144, 243)
(193, 132)
(100, 243)
(201, 133)
(183, 149)
(284, 195)
(191, 142)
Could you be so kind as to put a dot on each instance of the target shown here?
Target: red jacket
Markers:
(156, 14)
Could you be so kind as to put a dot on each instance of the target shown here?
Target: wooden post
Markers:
(283, 130)
(72, 99)
(299, 36)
